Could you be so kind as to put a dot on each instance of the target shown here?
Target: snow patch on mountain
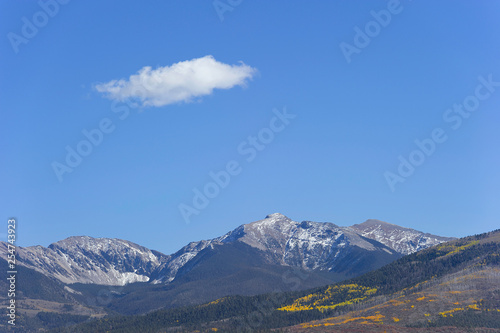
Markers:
(91, 260)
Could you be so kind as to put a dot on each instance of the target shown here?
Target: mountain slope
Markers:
(218, 271)
(400, 239)
(91, 260)
(451, 285)
(37, 295)
(468, 298)
(306, 245)
(256, 258)
(80, 277)
(455, 284)
(311, 246)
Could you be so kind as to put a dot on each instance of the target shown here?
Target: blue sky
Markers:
(355, 113)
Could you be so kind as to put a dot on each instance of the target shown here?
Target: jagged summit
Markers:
(307, 244)
(371, 222)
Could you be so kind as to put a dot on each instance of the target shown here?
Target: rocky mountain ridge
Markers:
(307, 245)
(403, 240)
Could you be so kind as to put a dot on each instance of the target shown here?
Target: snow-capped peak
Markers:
(404, 240)
(276, 216)
(92, 260)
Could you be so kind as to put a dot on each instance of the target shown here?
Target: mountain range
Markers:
(449, 287)
(102, 276)
(311, 246)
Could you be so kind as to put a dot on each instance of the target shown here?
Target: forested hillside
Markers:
(452, 284)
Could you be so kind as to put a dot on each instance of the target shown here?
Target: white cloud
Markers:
(180, 82)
